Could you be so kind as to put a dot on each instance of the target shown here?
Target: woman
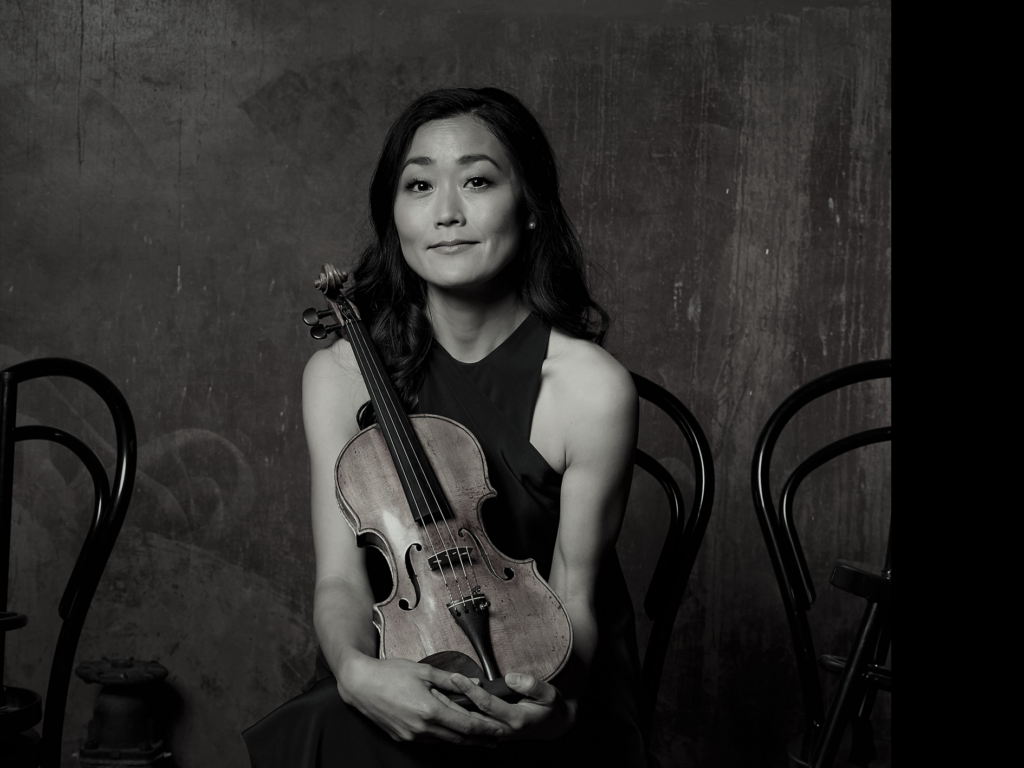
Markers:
(475, 296)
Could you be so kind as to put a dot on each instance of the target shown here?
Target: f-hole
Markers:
(403, 603)
(506, 573)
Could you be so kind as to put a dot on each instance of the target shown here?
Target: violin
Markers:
(413, 487)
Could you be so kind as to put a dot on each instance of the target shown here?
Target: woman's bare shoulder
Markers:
(586, 376)
(332, 389)
(329, 362)
(593, 411)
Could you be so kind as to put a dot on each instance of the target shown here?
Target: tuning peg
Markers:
(312, 316)
(320, 332)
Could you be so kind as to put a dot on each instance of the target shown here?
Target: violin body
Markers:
(528, 628)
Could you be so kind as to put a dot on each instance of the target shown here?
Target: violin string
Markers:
(418, 507)
(455, 544)
(470, 583)
(375, 384)
(399, 424)
(390, 394)
(401, 465)
(383, 392)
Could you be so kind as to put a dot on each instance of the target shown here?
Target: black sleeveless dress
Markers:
(494, 398)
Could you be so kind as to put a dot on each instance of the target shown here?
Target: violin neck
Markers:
(422, 489)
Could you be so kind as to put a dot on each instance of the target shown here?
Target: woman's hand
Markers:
(542, 713)
(404, 698)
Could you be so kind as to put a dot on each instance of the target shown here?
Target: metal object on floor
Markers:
(20, 709)
(125, 729)
(862, 672)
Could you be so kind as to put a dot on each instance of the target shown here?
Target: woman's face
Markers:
(457, 206)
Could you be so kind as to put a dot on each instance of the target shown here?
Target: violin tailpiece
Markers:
(473, 617)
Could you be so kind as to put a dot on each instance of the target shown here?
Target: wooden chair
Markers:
(679, 550)
(862, 672)
(22, 708)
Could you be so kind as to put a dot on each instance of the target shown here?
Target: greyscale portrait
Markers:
(406, 384)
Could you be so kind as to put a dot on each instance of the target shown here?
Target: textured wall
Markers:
(173, 173)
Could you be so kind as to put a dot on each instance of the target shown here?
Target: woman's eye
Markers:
(478, 182)
(416, 185)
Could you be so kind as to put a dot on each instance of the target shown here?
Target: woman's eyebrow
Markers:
(469, 159)
(418, 161)
(464, 160)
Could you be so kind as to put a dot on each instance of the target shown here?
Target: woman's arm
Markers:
(593, 409)
(399, 695)
(601, 433)
(343, 600)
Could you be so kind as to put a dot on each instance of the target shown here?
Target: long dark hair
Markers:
(392, 298)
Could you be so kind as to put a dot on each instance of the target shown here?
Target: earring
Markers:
(531, 225)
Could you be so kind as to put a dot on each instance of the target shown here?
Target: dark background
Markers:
(173, 174)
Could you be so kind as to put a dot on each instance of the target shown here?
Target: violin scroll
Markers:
(329, 283)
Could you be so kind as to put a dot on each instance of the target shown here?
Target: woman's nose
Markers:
(449, 208)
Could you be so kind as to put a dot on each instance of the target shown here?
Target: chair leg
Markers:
(851, 687)
(863, 749)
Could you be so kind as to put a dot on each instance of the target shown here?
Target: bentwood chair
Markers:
(679, 550)
(862, 672)
(21, 709)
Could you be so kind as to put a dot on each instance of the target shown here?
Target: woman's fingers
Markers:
(437, 694)
(530, 687)
(456, 719)
(463, 727)
(541, 713)
(439, 679)
(412, 703)
(489, 705)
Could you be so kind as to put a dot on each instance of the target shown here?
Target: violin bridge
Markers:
(451, 558)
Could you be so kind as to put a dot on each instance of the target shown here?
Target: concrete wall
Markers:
(174, 173)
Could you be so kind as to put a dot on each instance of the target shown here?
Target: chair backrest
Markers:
(779, 529)
(685, 533)
(111, 504)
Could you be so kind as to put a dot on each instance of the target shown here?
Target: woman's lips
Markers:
(456, 246)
